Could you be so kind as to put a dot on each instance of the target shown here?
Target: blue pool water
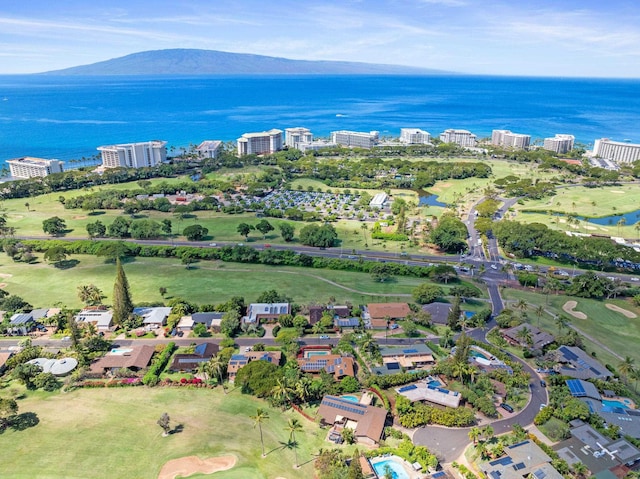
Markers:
(397, 471)
(612, 404)
(351, 398)
(477, 354)
(435, 383)
(468, 314)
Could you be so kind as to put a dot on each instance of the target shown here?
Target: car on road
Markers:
(66, 338)
(493, 266)
(542, 406)
(351, 256)
(404, 253)
(506, 407)
(324, 336)
(267, 245)
(240, 244)
(213, 244)
(634, 279)
(543, 383)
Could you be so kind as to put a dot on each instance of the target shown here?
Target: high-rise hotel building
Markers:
(510, 140)
(559, 143)
(463, 138)
(617, 151)
(414, 136)
(260, 143)
(355, 138)
(29, 167)
(134, 155)
(294, 137)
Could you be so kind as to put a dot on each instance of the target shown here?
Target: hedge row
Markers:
(152, 377)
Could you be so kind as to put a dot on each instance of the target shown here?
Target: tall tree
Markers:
(287, 230)
(122, 304)
(164, 423)
(260, 417)
(294, 426)
(264, 227)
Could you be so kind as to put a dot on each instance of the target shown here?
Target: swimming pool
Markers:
(310, 354)
(469, 314)
(121, 350)
(477, 354)
(396, 469)
(434, 383)
(351, 398)
(612, 404)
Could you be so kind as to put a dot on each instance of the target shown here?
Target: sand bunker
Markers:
(186, 466)
(569, 308)
(617, 191)
(80, 217)
(3, 285)
(5, 275)
(618, 309)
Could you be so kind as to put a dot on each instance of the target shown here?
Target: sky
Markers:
(560, 38)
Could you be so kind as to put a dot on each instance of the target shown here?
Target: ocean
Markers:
(69, 117)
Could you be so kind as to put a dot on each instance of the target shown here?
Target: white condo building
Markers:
(294, 137)
(510, 140)
(559, 143)
(617, 151)
(355, 138)
(463, 138)
(260, 143)
(29, 167)
(134, 155)
(414, 136)
(209, 149)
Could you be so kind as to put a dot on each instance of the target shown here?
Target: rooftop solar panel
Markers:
(407, 388)
(409, 351)
(519, 466)
(503, 461)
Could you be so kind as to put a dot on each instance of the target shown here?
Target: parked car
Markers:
(542, 406)
(213, 244)
(506, 407)
(394, 326)
(324, 336)
(543, 383)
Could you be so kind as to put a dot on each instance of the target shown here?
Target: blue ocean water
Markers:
(68, 117)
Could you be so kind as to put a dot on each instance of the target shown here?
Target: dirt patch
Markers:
(186, 466)
(5, 275)
(617, 191)
(80, 217)
(569, 307)
(618, 309)
(3, 285)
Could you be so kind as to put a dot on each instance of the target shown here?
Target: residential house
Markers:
(210, 320)
(238, 361)
(135, 358)
(583, 389)
(99, 316)
(411, 357)
(316, 312)
(336, 364)
(439, 311)
(258, 312)
(604, 457)
(4, 357)
(378, 313)
(524, 459)
(430, 390)
(366, 421)
(21, 323)
(153, 318)
(575, 363)
(191, 361)
(538, 338)
(346, 323)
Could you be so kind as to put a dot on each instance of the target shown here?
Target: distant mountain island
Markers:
(212, 62)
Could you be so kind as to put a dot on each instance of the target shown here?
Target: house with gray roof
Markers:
(99, 316)
(539, 339)
(438, 310)
(575, 363)
(525, 459)
(202, 353)
(153, 318)
(258, 312)
(21, 323)
(603, 457)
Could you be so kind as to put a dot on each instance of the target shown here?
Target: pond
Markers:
(426, 199)
(630, 218)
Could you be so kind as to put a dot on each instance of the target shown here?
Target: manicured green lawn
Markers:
(207, 282)
(612, 329)
(107, 433)
(589, 202)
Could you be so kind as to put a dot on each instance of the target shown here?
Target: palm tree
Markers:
(627, 366)
(474, 434)
(579, 469)
(524, 336)
(522, 305)
(539, 311)
(487, 432)
(215, 367)
(294, 426)
(561, 322)
(364, 229)
(281, 392)
(260, 417)
(621, 223)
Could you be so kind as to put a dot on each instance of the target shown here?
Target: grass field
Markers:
(611, 329)
(208, 282)
(112, 432)
(587, 202)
